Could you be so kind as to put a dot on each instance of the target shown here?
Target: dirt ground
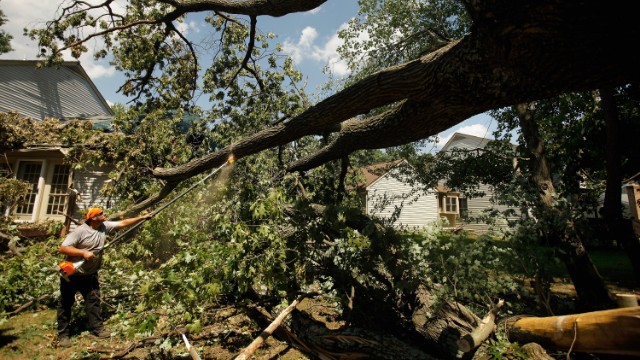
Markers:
(32, 335)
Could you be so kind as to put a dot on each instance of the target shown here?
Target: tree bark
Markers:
(590, 287)
(614, 332)
(313, 337)
(517, 52)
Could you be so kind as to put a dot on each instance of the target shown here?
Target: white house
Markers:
(65, 92)
(388, 194)
(473, 208)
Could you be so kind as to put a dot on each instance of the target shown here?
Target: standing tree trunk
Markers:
(590, 288)
(621, 229)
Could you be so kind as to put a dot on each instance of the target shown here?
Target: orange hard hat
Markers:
(92, 212)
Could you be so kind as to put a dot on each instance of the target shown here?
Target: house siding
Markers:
(63, 92)
(467, 142)
(88, 183)
(417, 209)
(476, 206)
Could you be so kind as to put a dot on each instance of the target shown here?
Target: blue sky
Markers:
(310, 38)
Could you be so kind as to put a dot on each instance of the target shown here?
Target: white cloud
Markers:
(21, 14)
(30, 14)
(94, 69)
(186, 27)
(300, 51)
(308, 37)
(329, 54)
(306, 48)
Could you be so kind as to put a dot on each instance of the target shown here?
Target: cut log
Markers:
(249, 350)
(486, 327)
(626, 300)
(614, 332)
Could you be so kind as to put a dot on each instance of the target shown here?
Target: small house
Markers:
(63, 92)
(473, 208)
(388, 193)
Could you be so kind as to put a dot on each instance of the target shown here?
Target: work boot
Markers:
(64, 341)
(101, 334)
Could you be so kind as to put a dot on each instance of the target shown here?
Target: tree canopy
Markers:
(514, 52)
(5, 39)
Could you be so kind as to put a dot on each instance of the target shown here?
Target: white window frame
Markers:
(445, 204)
(38, 199)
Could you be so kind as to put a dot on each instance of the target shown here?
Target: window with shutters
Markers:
(464, 208)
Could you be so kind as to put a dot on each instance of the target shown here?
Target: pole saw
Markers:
(68, 268)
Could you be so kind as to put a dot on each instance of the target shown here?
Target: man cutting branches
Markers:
(86, 243)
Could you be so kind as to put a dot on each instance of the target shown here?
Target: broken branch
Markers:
(482, 331)
(255, 344)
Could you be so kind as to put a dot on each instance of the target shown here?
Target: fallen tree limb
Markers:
(192, 351)
(12, 244)
(313, 337)
(249, 350)
(121, 353)
(5, 236)
(614, 332)
(27, 305)
(486, 327)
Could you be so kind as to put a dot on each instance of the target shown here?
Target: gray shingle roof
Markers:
(63, 92)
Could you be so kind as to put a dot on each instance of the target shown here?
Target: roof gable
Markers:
(372, 173)
(466, 141)
(375, 172)
(61, 92)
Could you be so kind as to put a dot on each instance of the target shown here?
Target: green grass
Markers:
(614, 266)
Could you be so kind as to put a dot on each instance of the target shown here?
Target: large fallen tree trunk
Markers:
(613, 332)
(380, 299)
(313, 337)
(383, 317)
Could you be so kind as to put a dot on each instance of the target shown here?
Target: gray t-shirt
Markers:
(84, 237)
